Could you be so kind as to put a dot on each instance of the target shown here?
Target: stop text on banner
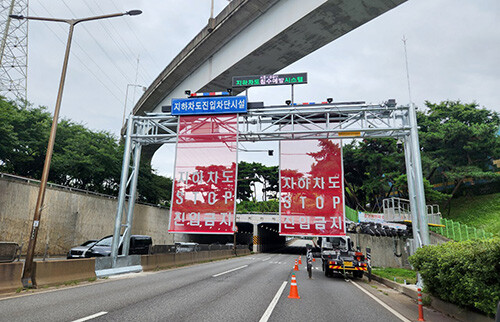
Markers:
(205, 175)
(311, 185)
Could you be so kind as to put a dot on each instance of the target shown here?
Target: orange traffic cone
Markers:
(314, 259)
(300, 260)
(294, 292)
(296, 267)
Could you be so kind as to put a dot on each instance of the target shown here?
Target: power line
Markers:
(100, 46)
(151, 58)
(130, 56)
(84, 64)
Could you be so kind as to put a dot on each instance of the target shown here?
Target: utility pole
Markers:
(27, 278)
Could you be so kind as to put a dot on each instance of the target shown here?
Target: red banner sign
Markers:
(311, 188)
(203, 200)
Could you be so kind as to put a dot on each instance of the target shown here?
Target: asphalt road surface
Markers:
(250, 288)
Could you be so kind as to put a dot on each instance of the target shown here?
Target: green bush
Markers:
(464, 273)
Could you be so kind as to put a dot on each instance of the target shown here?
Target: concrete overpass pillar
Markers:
(257, 247)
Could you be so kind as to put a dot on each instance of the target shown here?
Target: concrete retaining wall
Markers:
(60, 271)
(70, 218)
(383, 249)
(10, 276)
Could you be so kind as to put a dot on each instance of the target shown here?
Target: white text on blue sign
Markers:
(209, 105)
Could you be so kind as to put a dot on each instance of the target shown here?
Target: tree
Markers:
(251, 173)
(85, 159)
(23, 141)
(461, 139)
(82, 158)
(370, 168)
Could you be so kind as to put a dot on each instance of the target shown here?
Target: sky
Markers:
(453, 54)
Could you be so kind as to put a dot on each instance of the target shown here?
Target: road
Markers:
(238, 289)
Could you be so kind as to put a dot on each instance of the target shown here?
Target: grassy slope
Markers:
(400, 274)
(477, 211)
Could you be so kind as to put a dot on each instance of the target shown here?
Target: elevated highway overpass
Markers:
(252, 37)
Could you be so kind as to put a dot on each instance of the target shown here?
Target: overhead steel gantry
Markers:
(287, 122)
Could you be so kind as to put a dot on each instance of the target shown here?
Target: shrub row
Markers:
(464, 273)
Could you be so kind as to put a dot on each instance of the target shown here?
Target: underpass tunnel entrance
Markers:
(244, 236)
(268, 238)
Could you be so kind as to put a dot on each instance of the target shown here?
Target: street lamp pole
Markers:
(27, 278)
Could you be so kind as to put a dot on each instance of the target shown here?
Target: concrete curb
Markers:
(450, 309)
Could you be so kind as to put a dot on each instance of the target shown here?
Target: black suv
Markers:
(139, 245)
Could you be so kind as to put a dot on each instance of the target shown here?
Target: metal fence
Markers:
(192, 247)
(398, 210)
(460, 232)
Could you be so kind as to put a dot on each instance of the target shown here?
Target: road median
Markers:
(60, 271)
(162, 261)
(10, 276)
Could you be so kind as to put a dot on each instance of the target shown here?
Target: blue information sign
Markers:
(209, 105)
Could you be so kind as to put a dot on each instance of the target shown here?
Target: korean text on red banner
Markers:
(205, 175)
(311, 185)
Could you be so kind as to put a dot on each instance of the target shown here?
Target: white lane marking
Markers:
(387, 307)
(265, 259)
(229, 271)
(90, 317)
(273, 303)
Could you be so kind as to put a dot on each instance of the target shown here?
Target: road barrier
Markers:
(10, 276)
(160, 261)
(61, 271)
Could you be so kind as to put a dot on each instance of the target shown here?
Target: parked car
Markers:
(139, 245)
(78, 251)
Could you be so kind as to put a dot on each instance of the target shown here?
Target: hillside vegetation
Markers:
(477, 211)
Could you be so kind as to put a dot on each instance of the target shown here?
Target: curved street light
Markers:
(27, 278)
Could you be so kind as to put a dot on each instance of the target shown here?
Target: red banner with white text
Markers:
(203, 200)
(311, 188)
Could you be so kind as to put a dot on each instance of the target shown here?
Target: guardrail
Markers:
(191, 247)
(8, 251)
(459, 232)
(398, 210)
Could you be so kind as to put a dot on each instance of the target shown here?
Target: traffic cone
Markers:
(296, 267)
(300, 260)
(294, 292)
(314, 259)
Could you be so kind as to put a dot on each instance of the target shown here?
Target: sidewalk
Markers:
(449, 309)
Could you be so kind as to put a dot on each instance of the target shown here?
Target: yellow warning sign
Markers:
(349, 133)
